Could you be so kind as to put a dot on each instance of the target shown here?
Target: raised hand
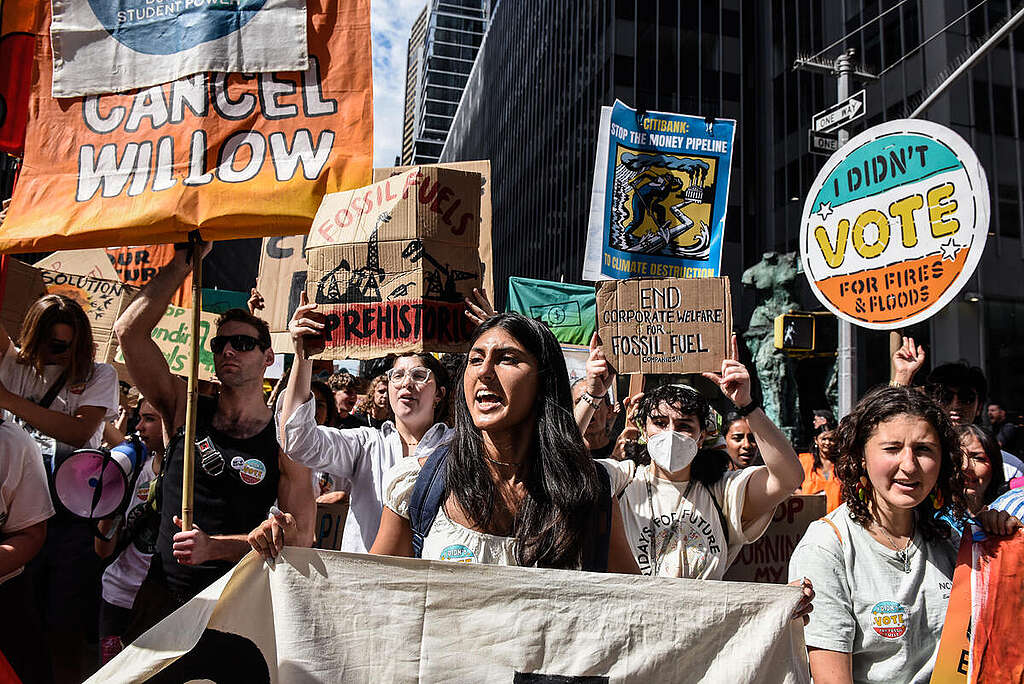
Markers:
(734, 379)
(599, 376)
(273, 533)
(479, 307)
(306, 328)
(907, 361)
(256, 302)
(631, 432)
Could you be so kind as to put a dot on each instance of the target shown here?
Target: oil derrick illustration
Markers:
(363, 283)
(437, 288)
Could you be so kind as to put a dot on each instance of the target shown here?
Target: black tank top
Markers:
(236, 483)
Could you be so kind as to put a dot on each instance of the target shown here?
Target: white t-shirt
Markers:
(676, 536)
(100, 390)
(866, 605)
(446, 540)
(123, 577)
(357, 458)
(24, 492)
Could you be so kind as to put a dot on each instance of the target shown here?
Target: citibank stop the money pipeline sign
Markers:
(895, 224)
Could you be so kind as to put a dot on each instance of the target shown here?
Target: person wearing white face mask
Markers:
(686, 514)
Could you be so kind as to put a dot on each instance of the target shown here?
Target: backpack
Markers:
(429, 492)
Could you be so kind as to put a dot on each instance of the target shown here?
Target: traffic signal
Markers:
(806, 332)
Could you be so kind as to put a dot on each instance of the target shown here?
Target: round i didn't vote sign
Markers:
(895, 224)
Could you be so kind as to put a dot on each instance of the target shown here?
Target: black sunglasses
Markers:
(240, 343)
(59, 346)
(945, 395)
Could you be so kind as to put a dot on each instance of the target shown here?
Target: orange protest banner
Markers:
(954, 647)
(233, 155)
(136, 265)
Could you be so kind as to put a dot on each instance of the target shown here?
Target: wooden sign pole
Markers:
(188, 476)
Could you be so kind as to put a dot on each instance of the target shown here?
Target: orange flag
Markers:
(17, 47)
(233, 155)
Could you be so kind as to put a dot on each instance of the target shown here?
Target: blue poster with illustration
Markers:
(661, 190)
(151, 42)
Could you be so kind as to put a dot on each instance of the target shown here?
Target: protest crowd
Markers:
(366, 407)
(501, 461)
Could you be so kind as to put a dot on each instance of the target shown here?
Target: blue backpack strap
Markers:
(598, 561)
(427, 497)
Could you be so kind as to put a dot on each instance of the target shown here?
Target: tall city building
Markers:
(547, 66)
(442, 47)
(413, 71)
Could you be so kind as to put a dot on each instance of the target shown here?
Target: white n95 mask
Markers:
(673, 451)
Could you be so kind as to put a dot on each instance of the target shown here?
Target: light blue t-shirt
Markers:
(865, 604)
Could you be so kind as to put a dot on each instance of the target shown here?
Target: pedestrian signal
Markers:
(805, 332)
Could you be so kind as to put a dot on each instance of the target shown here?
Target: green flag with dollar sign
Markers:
(569, 310)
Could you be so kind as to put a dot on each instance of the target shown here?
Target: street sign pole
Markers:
(847, 337)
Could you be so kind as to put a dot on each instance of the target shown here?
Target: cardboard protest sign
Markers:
(330, 525)
(671, 325)
(102, 300)
(482, 167)
(569, 310)
(660, 194)
(281, 280)
(767, 559)
(390, 264)
(89, 262)
(895, 224)
(20, 285)
(411, 620)
(235, 155)
(158, 41)
(171, 334)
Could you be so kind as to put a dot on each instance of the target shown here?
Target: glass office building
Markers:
(444, 41)
(547, 66)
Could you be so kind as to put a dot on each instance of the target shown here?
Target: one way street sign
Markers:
(840, 114)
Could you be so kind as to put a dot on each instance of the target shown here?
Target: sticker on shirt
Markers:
(77, 389)
(237, 462)
(142, 491)
(253, 471)
(457, 553)
(889, 619)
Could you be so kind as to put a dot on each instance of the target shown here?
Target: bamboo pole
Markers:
(188, 476)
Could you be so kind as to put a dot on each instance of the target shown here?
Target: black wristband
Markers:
(745, 411)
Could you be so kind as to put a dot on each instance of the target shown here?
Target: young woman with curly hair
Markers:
(882, 563)
(375, 408)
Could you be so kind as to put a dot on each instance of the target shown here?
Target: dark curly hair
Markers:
(856, 429)
(710, 464)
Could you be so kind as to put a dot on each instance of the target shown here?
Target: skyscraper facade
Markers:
(547, 66)
(442, 47)
(413, 72)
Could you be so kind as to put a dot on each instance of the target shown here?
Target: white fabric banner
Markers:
(322, 616)
(101, 46)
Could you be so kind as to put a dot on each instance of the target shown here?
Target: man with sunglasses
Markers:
(240, 470)
(958, 388)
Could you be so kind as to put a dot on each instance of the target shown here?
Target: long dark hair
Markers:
(554, 527)
(320, 388)
(711, 462)
(875, 408)
(37, 326)
(998, 485)
(815, 451)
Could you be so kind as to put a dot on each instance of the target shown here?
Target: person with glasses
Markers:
(417, 388)
(240, 470)
(958, 388)
(52, 385)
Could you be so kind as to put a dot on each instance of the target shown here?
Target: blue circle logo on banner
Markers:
(167, 27)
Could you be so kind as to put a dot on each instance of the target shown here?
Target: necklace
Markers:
(660, 552)
(901, 555)
(502, 463)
